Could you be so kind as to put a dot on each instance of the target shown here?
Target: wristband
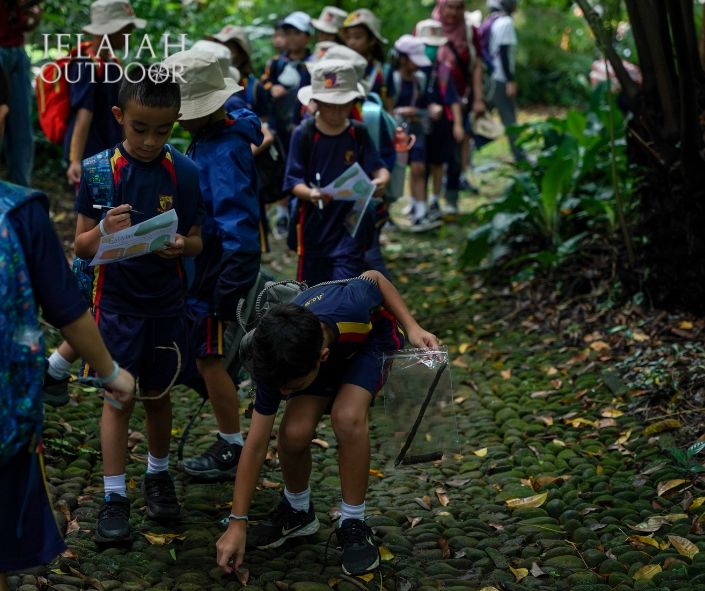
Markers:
(102, 228)
(100, 382)
(233, 517)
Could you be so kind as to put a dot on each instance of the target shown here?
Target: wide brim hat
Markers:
(300, 21)
(362, 17)
(424, 31)
(203, 88)
(111, 16)
(333, 81)
(487, 126)
(330, 21)
(234, 33)
(413, 48)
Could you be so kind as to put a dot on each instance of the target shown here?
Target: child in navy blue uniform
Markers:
(322, 352)
(322, 148)
(94, 84)
(29, 535)
(229, 264)
(139, 303)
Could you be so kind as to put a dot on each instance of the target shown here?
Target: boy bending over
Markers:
(322, 352)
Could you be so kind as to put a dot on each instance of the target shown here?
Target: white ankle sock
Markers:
(434, 199)
(232, 438)
(299, 501)
(115, 484)
(155, 465)
(58, 366)
(419, 209)
(351, 511)
(282, 211)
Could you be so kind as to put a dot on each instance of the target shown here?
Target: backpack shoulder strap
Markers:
(13, 196)
(306, 140)
(98, 171)
(362, 138)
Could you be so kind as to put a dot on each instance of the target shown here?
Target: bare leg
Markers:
(114, 424)
(158, 424)
(418, 181)
(222, 393)
(3, 582)
(351, 428)
(67, 352)
(294, 442)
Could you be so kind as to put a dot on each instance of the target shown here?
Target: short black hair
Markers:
(286, 345)
(154, 88)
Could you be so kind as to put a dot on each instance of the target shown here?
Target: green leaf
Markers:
(172, 553)
(695, 449)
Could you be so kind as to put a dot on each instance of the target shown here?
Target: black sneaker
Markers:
(283, 523)
(360, 554)
(160, 496)
(55, 392)
(218, 462)
(113, 520)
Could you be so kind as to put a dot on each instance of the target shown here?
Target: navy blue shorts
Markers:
(22, 484)
(366, 368)
(315, 269)
(418, 152)
(146, 347)
(440, 142)
(206, 335)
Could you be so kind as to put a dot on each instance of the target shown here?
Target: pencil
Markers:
(108, 208)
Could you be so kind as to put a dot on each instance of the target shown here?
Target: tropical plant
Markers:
(572, 191)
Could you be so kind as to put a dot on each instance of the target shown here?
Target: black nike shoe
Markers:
(217, 463)
(55, 392)
(160, 496)
(281, 524)
(113, 520)
(360, 554)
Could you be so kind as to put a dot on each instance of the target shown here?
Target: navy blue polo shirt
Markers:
(146, 286)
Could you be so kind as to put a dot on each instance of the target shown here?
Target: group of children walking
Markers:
(164, 312)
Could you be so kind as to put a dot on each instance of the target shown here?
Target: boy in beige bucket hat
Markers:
(229, 264)
(327, 26)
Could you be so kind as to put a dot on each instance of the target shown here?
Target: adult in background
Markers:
(502, 49)
(16, 18)
(460, 54)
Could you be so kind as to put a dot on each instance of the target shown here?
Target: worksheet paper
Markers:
(353, 185)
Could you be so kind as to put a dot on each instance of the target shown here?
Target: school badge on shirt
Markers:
(166, 202)
(349, 157)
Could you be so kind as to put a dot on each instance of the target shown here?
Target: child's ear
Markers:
(325, 353)
(117, 113)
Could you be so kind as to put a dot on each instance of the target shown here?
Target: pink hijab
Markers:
(455, 33)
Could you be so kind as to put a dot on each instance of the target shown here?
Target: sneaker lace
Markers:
(353, 532)
(161, 489)
(111, 510)
(217, 448)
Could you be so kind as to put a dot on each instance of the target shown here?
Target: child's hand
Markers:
(117, 218)
(458, 133)
(278, 91)
(172, 249)
(422, 339)
(435, 111)
(231, 545)
(73, 174)
(380, 187)
(315, 196)
(122, 388)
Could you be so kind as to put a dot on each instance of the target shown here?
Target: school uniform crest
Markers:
(349, 157)
(166, 202)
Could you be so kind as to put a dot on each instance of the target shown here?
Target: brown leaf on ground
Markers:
(243, 575)
(72, 527)
(442, 497)
(661, 426)
(414, 521)
(322, 443)
(424, 503)
(663, 487)
(270, 484)
(445, 548)
(536, 570)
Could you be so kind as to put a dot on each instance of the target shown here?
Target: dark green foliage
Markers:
(551, 206)
(684, 460)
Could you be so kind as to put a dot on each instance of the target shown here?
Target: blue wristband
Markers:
(100, 382)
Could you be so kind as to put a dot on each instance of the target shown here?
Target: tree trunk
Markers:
(665, 138)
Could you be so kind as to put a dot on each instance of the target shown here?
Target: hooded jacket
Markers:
(228, 266)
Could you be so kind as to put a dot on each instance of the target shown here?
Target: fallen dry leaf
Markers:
(163, 539)
(445, 548)
(243, 575)
(696, 503)
(506, 374)
(611, 413)
(558, 443)
(463, 347)
(605, 423)
(334, 513)
(527, 502)
(545, 419)
(519, 573)
(684, 546)
(686, 325)
(661, 426)
(270, 483)
(557, 384)
(646, 573)
(536, 570)
(322, 443)
(442, 497)
(70, 554)
(414, 521)
(663, 487)
(385, 553)
(497, 526)
(542, 393)
(376, 473)
(132, 484)
(72, 526)
(480, 453)
(599, 346)
(643, 540)
(624, 437)
(551, 371)
(424, 503)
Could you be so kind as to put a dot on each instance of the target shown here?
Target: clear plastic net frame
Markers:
(414, 416)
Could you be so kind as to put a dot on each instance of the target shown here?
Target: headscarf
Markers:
(456, 33)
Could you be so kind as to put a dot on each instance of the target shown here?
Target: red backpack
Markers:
(52, 90)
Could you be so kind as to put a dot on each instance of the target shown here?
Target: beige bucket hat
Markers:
(320, 50)
(487, 126)
(203, 88)
(234, 33)
(363, 17)
(332, 81)
(111, 16)
(345, 54)
(430, 31)
(222, 54)
(331, 20)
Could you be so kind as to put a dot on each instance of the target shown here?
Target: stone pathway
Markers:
(558, 486)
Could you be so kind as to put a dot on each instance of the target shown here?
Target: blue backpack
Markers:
(21, 338)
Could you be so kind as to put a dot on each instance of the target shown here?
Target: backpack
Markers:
(21, 339)
(361, 135)
(485, 32)
(271, 169)
(52, 90)
(375, 117)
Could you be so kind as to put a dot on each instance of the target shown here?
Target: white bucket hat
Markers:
(430, 31)
(111, 16)
(221, 53)
(332, 81)
(414, 48)
(320, 50)
(345, 54)
(233, 33)
(362, 17)
(331, 20)
(487, 126)
(203, 88)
